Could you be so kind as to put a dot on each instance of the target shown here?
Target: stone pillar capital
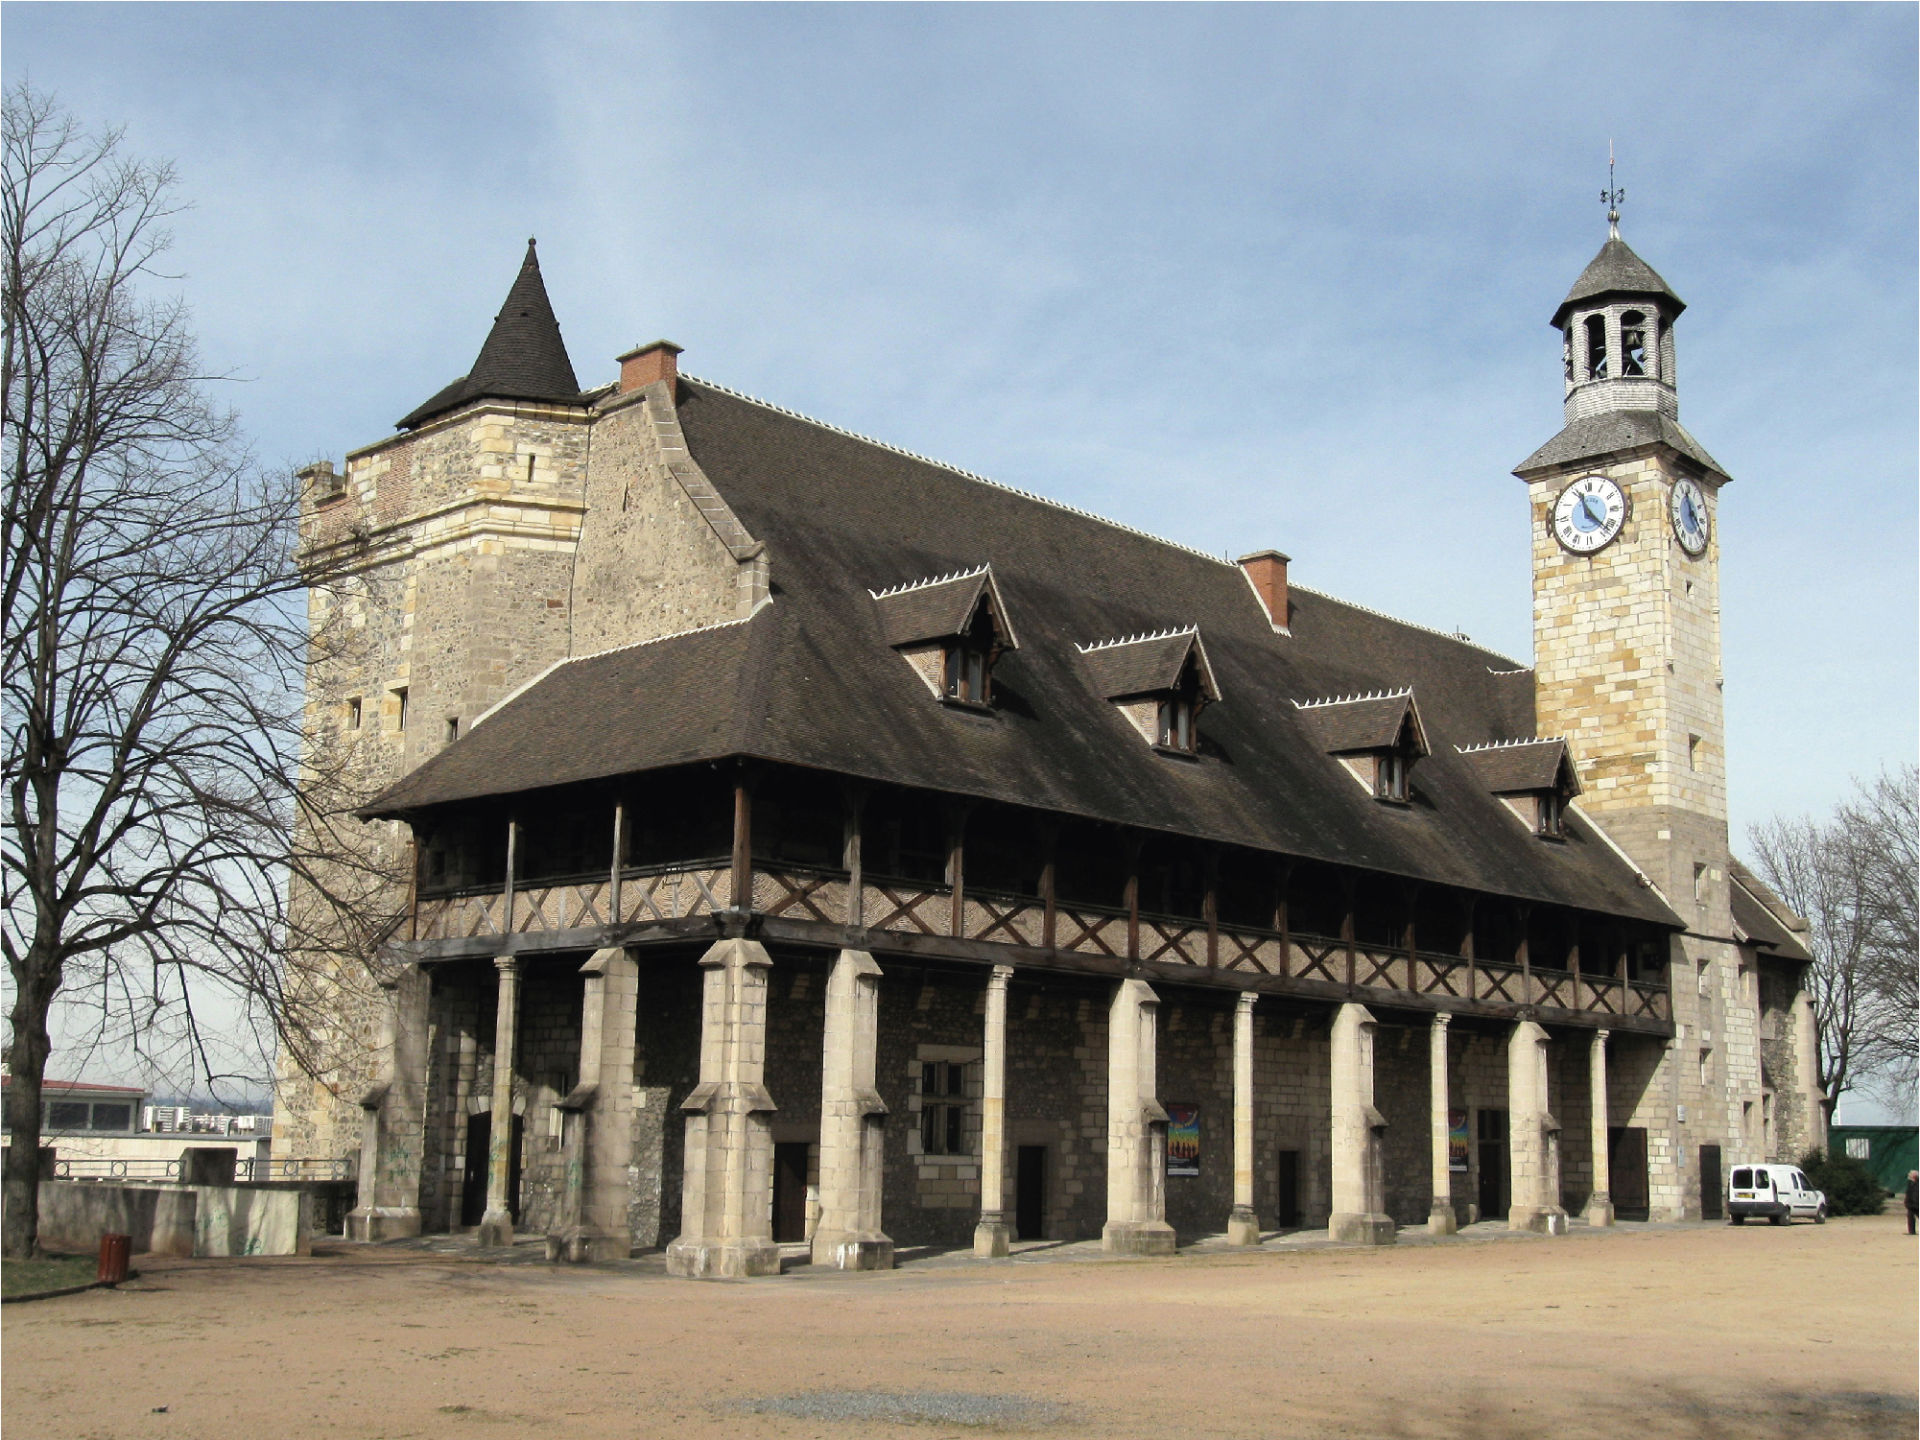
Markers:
(1245, 1001)
(507, 964)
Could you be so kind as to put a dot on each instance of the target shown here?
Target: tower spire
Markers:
(1612, 197)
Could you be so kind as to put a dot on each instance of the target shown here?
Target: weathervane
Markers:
(1612, 197)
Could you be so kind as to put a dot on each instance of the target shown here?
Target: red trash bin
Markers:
(115, 1250)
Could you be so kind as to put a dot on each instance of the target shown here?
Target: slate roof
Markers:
(1147, 664)
(809, 680)
(1616, 270)
(1760, 916)
(1521, 769)
(940, 608)
(1347, 726)
(523, 358)
(1615, 430)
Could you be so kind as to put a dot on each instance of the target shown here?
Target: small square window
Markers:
(1549, 815)
(966, 673)
(1693, 752)
(453, 728)
(400, 709)
(353, 713)
(1700, 883)
(1175, 730)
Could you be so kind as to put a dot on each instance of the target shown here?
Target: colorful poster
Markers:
(1183, 1140)
(1457, 1141)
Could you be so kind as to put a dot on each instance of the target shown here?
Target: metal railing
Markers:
(245, 1172)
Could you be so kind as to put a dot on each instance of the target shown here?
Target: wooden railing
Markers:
(918, 908)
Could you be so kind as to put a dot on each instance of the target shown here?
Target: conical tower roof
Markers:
(524, 357)
(1616, 270)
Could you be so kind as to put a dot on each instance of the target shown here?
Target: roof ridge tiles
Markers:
(956, 470)
(1139, 639)
(928, 584)
(566, 660)
(1511, 744)
(1452, 635)
(1404, 693)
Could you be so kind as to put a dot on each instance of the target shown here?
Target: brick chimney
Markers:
(1266, 571)
(647, 363)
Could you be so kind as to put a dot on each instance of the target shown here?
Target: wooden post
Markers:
(957, 868)
(1210, 908)
(1410, 897)
(619, 860)
(1468, 903)
(851, 857)
(1050, 843)
(1573, 964)
(513, 865)
(1282, 921)
(1350, 885)
(1134, 844)
(1523, 957)
(742, 842)
(413, 886)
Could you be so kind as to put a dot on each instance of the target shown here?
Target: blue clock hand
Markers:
(1587, 507)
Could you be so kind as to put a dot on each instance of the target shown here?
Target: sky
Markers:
(1241, 276)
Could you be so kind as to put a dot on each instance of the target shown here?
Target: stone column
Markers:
(1359, 1209)
(993, 1236)
(1533, 1136)
(1441, 1219)
(726, 1207)
(496, 1225)
(1243, 1225)
(1136, 1128)
(599, 1117)
(1600, 1202)
(852, 1122)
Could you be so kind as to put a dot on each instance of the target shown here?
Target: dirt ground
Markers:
(1645, 1332)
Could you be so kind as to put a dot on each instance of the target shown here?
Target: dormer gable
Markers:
(951, 629)
(1160, 681)
(1534, 779)
(1376, 735)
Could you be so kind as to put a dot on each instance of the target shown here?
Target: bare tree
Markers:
(153, 643)
(1853, 879)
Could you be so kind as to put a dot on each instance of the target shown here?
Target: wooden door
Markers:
(473, 1179)
(1495, 1162)
(1627, 1171)
(790, 1192)
(1711, 1207)
(1030, 1193)
(1287, 1210)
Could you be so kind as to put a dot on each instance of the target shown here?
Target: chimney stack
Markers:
(645, 364)
(1266, 571)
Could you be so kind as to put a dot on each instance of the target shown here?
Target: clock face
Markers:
(1691, 524)
(1588, 514)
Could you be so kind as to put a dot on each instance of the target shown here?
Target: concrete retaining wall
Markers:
(197, 1221)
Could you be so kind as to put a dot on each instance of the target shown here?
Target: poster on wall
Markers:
(1457, 1141)
(1183, 1140)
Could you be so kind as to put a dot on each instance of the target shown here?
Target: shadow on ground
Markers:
(1669, 1413)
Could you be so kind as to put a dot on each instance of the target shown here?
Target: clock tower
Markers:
(1626, 628)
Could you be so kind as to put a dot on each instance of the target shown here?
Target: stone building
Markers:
(813, 842)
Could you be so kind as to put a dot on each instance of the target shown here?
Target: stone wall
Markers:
(547, 1068)
(666, 1068)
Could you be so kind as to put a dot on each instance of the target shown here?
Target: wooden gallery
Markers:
(813, 843)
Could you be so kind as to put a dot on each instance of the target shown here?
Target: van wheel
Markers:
(1736, 1220)
(1776, 1219)
(1820, 1216)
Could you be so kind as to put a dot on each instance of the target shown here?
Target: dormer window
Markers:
(1533, 778)
(951, 629)
(1549, 814)
(966, 672)
(1390, 775)
(1160, 682)
(1377, 736)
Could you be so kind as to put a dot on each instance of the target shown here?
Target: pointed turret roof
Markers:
(1616, 270)
(524, 357)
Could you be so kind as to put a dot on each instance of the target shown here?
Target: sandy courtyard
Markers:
(1690, 1331)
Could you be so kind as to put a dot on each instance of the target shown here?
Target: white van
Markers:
(1778, 1192)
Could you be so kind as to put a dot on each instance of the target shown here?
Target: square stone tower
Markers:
(1626, 624)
